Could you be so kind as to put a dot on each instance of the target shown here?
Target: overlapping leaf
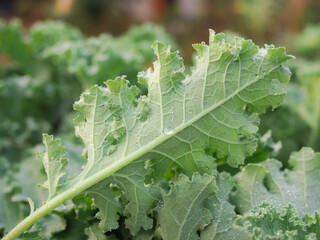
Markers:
(268, 222)
(54, 162)
(223, 213)
(182, 212)
(264, 182)
(14, 211)
(97, 59)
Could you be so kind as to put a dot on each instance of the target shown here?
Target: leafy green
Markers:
(49, 225)
(13, 212)
(183, 220)
(54, 162)
(95, 233)
(172, 154)
(133, 143)
(267, 222)
(223, 214)
(264, 182)
(296, 122)
(94, 60)
(32, 235)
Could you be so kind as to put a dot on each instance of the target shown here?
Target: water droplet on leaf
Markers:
(168, 130)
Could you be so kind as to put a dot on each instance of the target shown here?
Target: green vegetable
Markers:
(264, 182)
(267, 222)
(135, 145)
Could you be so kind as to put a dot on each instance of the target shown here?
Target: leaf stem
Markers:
(77, 188)
(39, 213)
(64, 196)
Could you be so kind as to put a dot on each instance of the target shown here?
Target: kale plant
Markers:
(182, 160)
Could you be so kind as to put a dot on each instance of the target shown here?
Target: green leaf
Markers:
(48, 33)
(267, 148)
(34, 235)
(108, 206)
(54, 162)
(111, 133)
(95, 233)
(183, 210)
(140, 198)
(12, 43)
(26, 49)
(17, 186)
(49, 225)
(264, 182)
(97, 59)
(145, 235)
(173, 128)
(267, 222)
(11, 211)
(27, 176)
(182, 108)
(75, 227)
(223, 214)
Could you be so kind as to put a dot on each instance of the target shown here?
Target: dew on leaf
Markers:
(168, 130)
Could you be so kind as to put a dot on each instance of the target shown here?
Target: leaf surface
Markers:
(190, 114)
(183, 117)
(264, 182)
(183, 210)
(223, 213)
(182, 125)
(268, 222)
(54, 162)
